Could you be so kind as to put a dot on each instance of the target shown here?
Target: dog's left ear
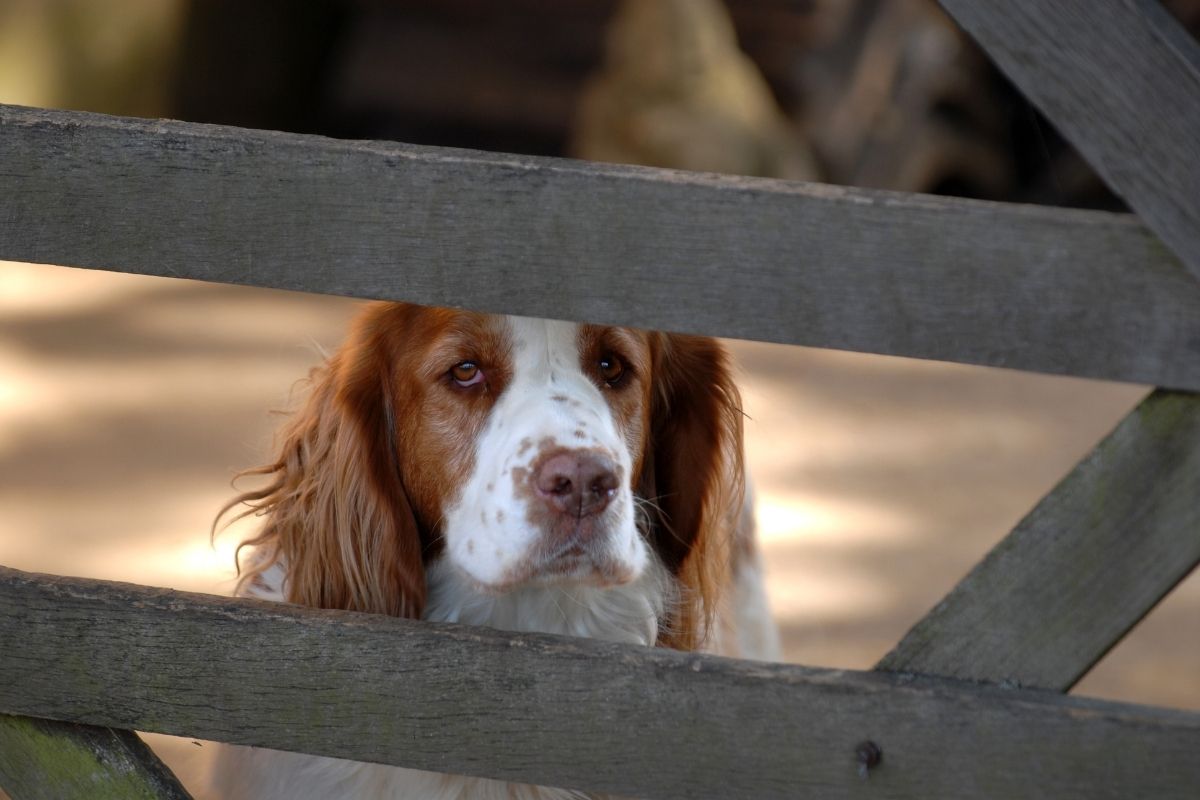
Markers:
(693, 475)
(376, 532)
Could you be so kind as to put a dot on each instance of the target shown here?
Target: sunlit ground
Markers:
(127, 403)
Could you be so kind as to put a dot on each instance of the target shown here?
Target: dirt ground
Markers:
(127, 403)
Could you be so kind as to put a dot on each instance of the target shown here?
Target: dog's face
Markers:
(522, 444)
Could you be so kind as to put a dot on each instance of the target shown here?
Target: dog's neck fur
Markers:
(629, 613)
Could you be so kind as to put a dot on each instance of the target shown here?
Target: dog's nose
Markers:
(578, 483)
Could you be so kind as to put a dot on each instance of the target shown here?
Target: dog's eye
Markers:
(611, 369)
(466, 373)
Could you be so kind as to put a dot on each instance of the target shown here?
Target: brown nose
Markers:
(577, 483)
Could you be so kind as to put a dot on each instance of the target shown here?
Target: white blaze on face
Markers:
(496, 529)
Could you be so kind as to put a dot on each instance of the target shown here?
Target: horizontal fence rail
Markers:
(1061, 291)
(568, 712)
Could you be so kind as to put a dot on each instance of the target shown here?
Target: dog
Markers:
(525, 474)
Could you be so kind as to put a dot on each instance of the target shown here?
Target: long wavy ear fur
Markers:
(693, 475)
(336, 511)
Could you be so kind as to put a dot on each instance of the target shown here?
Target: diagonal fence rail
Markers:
(1121, 80)
(1082, 569)
(42, 759)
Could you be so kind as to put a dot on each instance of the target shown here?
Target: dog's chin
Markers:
(572, 566)
(577, 569)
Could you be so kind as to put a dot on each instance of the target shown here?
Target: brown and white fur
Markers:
(524, 474)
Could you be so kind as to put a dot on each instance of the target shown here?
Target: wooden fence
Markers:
(969, 703)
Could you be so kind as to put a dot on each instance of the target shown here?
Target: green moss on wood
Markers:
(59, 761)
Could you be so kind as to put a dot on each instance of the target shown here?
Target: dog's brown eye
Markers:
(611, 369)
(466, 373)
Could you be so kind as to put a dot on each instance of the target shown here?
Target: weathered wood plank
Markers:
(1121, 80)
(1082, 568)
(1051, 290)
(45, 760)
(569, 712)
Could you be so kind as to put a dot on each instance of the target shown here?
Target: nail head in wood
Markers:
(868, 755)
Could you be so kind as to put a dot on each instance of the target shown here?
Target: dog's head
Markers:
(521, 451)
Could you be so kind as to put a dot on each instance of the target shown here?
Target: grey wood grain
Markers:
(42, 759)
(560, 711)
(1051, 290)
(1120, 79)
(1096, 555)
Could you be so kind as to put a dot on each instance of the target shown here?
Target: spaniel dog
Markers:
(523, 474)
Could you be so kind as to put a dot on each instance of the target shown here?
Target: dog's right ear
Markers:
(694, 473)
(336, 511)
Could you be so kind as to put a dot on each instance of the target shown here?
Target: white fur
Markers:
(745, 627)
(488, 535)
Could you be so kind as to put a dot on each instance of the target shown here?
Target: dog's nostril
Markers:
(576, 482)
(605, 484)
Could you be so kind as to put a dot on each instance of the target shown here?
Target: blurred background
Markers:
(128, 402)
